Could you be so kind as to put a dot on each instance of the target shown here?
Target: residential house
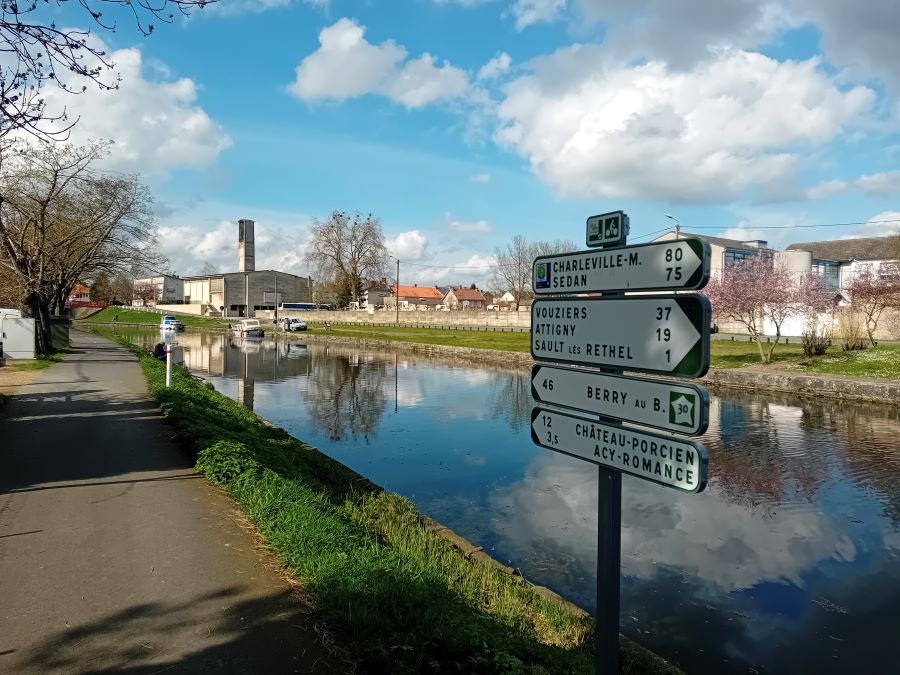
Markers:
(163, 289)
(464, 298)
(414, 297)
(80, 293)
(507, 301)
(374, 295)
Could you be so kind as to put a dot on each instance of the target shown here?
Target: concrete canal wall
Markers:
(827, 386)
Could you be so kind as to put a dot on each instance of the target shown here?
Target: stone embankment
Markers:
(754, 379)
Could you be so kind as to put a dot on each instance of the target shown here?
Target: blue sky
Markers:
(460, 123)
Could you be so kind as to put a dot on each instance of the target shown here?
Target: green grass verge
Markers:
(41, 362)
(401, 598)
(129, 315)
(881, 361)
(510, 342)
(742, 352)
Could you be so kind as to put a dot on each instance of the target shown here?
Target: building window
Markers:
(829, 270)
(736, 255)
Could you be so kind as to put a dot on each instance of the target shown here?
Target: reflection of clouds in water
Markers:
(892, 540)
(722, 543)
(408, 388)
(477, 377)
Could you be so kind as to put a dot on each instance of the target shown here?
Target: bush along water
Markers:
(398, 597)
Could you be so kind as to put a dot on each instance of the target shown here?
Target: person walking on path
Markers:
(115, 555)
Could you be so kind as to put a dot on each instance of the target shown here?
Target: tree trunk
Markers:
(40, 312)
(763, 357)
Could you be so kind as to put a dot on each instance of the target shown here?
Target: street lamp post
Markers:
(677, 225)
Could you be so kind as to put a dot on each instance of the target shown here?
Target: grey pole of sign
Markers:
(657, 334)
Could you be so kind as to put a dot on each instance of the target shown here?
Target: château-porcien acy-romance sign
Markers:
(618, 333)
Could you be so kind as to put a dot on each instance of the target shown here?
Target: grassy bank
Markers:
(882, 361)
(401, 598)
(129, 315)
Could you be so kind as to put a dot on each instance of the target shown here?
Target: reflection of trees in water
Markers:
(511, 398)
(772, 449)
(764, 449)
(871, 455)
(345, 394)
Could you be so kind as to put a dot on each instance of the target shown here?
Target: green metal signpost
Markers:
(663, 334)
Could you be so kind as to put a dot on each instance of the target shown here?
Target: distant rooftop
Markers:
(866, 248)
(422, 292)
(751, 244)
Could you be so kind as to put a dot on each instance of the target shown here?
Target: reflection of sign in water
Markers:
(667, 460)
(660, 266)
(666, 405)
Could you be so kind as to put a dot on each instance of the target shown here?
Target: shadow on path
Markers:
(269, 634)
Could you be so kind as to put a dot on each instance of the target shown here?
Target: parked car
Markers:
(170, 324)
(291, 324)
(248, 328)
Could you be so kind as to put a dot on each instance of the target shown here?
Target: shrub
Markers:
(851, 330)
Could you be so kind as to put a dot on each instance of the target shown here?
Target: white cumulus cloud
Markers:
(411, 245)
(157, 126)
(346, 65)
(882, 184)
(528, 12)
(454, 224)
(595, 128)
(496, 67)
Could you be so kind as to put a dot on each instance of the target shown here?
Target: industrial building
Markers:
(234, 294)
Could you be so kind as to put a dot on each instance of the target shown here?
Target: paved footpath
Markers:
(115, 556)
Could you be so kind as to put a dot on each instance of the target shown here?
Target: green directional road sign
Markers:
(671, 461)
(676, 265)
(654, 334)
(669, 405)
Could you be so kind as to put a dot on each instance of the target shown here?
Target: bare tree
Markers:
(554, 247)
(347, 250)
(512, 267)
(62, 221)
(38, 52)
(123, 287)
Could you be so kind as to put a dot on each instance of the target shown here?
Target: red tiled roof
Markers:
(426, 292)
(470, 294)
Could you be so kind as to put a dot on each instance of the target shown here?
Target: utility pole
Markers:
(397, 299)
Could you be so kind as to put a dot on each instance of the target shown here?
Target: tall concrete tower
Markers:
(246, 247)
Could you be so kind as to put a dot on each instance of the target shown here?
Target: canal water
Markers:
(789, 562)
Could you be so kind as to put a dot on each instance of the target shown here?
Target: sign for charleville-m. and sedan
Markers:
(680, 264)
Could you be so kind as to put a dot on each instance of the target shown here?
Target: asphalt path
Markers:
(115, 556)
